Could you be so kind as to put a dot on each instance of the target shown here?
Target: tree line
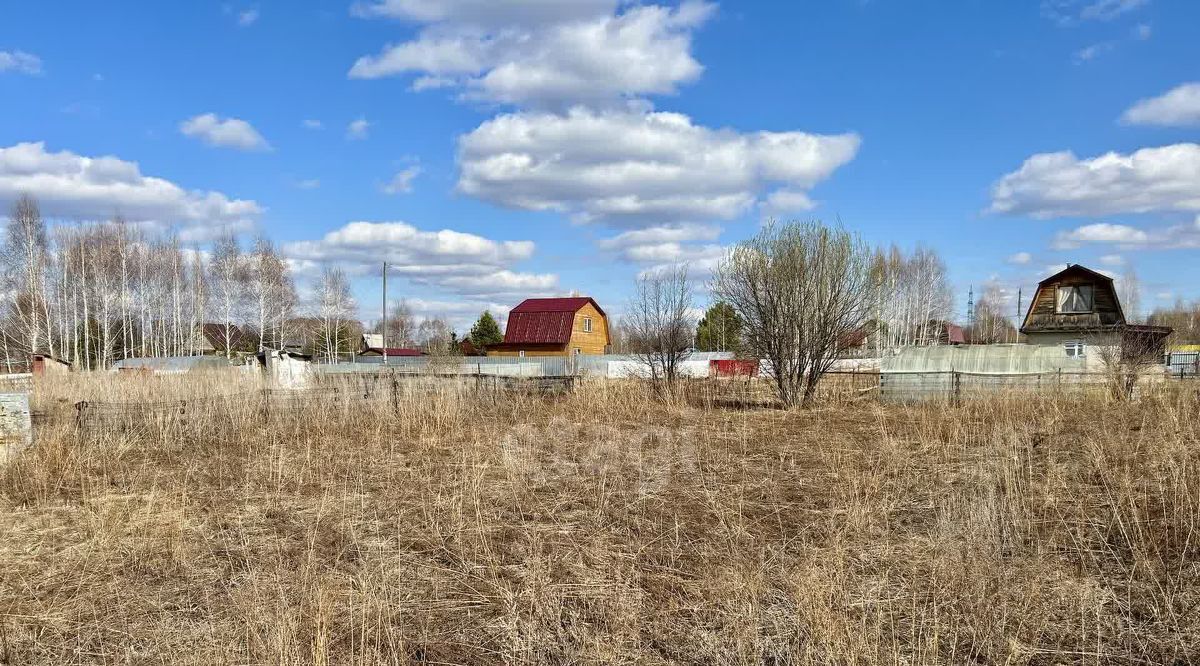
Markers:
(95, 293)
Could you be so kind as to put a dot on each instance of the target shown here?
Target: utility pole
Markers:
(1017, 327)
(383, 336)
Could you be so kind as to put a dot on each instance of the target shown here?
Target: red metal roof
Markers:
(571, 305)
(544, 320)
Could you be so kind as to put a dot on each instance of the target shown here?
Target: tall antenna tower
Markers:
(971, 306)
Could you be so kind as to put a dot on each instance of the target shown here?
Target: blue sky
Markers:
(505, 149)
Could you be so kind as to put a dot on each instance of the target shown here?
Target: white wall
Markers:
(1092, 345)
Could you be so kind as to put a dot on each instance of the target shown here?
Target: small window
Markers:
(1074, 349)
(521, 353)
(587, 324)
(1074, 300)
(578, 351)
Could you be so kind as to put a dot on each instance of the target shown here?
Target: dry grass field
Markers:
(598, 527)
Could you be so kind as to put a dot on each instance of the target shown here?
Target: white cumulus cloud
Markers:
(1060, 184)
(1020, 258)
(1072, 12)
(484, 13)
(401, 183)
(1178, 107)
(675, 243)
(635, 169)
(785, 202)
(20, 62)
(223, 132)
(540, 53)
(464, 263)
(68, 185)
(1090, 53)
(1171, 237)
(662, 247)
(358, 129)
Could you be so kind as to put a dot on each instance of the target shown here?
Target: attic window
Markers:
(1074, 300)
(587, 324)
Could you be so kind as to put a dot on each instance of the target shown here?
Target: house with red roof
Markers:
(555, 327)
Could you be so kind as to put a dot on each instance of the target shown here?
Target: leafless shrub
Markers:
(659, 323)
(1128, 358)
(799, 288)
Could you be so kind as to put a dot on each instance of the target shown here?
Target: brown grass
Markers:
(600, 528)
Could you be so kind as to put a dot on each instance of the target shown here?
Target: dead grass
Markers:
(603, 528)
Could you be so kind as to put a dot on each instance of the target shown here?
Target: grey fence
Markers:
(1183, 363)
(583, 365)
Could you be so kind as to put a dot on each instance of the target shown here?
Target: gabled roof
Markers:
(571, 304)
(955, 335)
(1076, 268)
(544, 320)
(215, 334)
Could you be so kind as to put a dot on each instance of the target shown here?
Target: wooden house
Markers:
(1078, 309)
(555, 327)
(214, 338)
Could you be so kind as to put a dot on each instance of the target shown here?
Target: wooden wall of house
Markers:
(528, 352)
(595, 342)
(1105, 310)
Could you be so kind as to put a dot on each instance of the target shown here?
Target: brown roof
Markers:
(954, 334)
(215, 334)
(1076, 268)
(544, 320)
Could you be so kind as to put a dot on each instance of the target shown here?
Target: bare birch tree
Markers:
(335, 310)
(799, 288)
(228, 278)
(913, 297)
(400, 329)
(24, 263)
(1129, 292)
(433, 335)
(271, 292)
(992, 325)
(659, 322)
